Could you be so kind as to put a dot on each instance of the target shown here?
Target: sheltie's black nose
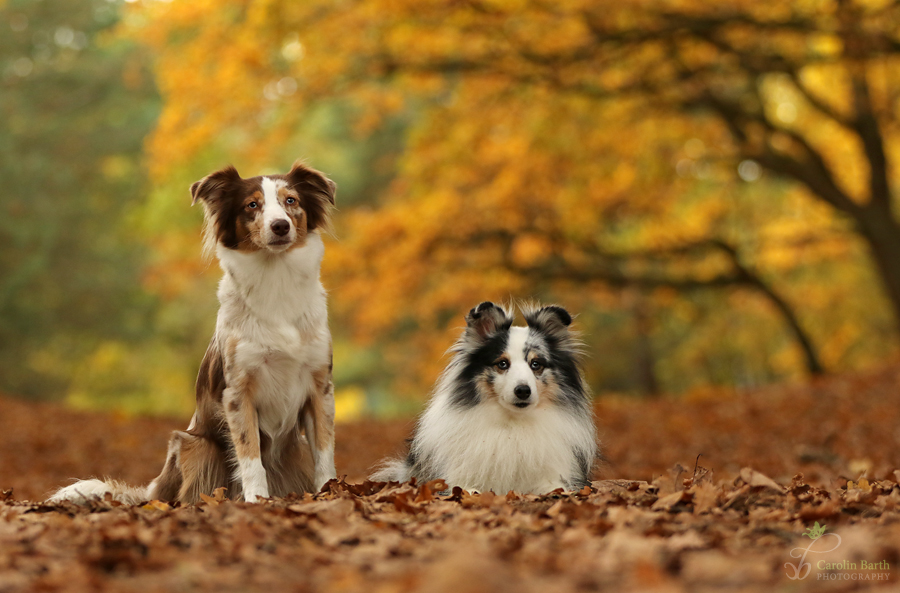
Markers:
(281, 227)
(522, 391)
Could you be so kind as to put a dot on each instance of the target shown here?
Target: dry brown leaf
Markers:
(755, 479)
(706, 495)
(157, 505)
(666, 503)
(480, 499)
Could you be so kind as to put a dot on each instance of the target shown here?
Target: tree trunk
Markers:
(645, 361)
(882, 233)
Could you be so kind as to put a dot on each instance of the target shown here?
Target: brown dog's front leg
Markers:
(243, 423)
(318, 423)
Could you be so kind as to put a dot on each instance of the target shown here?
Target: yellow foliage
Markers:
(503, 180)
(153, 380)
(349, 404)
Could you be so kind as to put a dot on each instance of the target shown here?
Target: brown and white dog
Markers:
(264, 424)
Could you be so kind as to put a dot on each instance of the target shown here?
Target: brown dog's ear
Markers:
(551, 319)
(211, 188)
(486, 319)
(316, 194)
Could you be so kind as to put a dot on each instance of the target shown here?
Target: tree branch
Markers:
(865, 122)
(813, 172)
(820, 105)
(741, 275)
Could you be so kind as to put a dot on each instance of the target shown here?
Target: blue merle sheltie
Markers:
(510, 412)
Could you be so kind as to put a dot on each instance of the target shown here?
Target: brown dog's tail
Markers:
(83, 491)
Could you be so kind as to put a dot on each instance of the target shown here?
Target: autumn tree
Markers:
(835, 61)
(566, 149)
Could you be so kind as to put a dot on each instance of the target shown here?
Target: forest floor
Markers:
(778, 465)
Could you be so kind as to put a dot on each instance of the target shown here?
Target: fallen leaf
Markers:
(755, 479)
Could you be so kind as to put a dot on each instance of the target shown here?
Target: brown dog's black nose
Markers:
(281, 227)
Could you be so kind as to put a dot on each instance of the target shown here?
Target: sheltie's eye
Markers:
(537, 364)
(290, 201)
(502, 364)
(252, 206)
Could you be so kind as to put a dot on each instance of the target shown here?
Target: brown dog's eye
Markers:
(252, 206)
(290, 201)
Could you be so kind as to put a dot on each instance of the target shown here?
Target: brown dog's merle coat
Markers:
(264, 424)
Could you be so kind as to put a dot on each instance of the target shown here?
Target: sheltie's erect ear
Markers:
(552, 320)
(486, 320)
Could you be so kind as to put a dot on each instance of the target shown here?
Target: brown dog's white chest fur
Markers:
(272, 331)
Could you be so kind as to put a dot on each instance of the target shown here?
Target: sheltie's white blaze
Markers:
(519, 372)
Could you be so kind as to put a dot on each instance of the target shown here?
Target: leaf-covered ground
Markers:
(654, 519)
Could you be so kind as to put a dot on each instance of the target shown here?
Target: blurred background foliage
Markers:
(75, 108)
(708, 185)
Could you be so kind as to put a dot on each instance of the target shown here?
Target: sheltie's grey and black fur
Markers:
(510, 412)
